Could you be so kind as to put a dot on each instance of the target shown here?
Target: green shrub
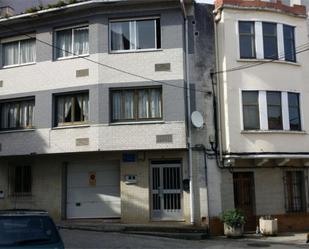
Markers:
(233, 218)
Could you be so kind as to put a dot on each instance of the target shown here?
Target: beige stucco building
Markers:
(262, 96)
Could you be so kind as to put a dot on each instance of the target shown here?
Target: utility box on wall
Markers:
(130, 179)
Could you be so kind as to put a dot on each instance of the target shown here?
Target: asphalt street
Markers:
(75, 239)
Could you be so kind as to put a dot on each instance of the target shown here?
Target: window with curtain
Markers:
(247, 40)
(294, 191)
(17, 114)
(72, 42)
(136, 104)
(19, 52)
(250, 102)
(72, 109)
(270, 41)
(289, 43)
(135, 35)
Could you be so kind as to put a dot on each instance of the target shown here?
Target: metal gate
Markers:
(166, 190)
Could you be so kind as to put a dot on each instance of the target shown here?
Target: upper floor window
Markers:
(274, 111)
(270, 110)
(72, 42)
(294, 111)
(265, 40)
(17, 114)
(135, 34)
(72, 109)
(289, 43)
(19, 52)
(247, 39)
(250, 101)
(270, 41)
(136, 104)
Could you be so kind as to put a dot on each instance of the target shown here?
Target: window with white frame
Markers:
(266, 40)
(139, 34)
(72, 42)
(271, 110)
(18, 52)
(17, 114)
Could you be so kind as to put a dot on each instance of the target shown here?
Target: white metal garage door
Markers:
(93, 190)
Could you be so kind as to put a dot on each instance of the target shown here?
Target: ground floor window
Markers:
(20, 180)
(294, 191)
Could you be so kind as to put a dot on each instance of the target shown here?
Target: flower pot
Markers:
(268, 227)
(233, 232)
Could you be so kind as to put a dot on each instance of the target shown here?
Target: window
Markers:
(136, 104)
(135, 35)
(21, 180)
(289, 43)
(247, 39)
(72, 109)
(19, 52)
(17, 114)
(270, 41)
(294, 112)
(257, 105)
(72, 42)
(251, 110)
(274, 111)
(294, 188)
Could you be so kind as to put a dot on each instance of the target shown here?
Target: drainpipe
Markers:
(217, 19)
(189, 135)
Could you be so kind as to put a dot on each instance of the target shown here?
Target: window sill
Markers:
(71, 57)
(17, 130)
(273, 132)
(137, 122)
(71, 126)
(18, 65)
(136, 51)
(269, 61)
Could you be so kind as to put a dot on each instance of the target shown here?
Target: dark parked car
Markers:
(28, 229)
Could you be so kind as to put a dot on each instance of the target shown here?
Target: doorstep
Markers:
(170, 230)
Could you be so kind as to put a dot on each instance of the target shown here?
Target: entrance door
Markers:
(166, 190)
(244, 197)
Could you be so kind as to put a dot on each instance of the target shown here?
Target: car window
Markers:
(27, 230)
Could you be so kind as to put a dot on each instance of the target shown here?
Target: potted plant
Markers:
(234, 221)
(268, 226)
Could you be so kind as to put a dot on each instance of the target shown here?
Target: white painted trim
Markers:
(259, 45)
(241, 118)
(280, 41)
(285, 111)
(18, 38)
(263, 110)
(237, 38)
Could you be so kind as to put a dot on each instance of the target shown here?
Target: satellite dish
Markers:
(197, 119)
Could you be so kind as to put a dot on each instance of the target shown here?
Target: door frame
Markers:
(252, 193)
(162, 162)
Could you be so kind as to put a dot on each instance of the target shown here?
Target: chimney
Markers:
(6, 11)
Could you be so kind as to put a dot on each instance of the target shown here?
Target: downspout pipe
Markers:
(217, 18)
(188, 107)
